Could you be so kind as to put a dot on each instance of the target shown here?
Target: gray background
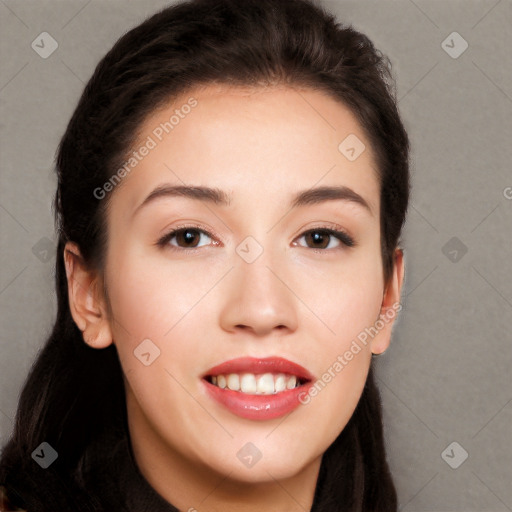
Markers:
(446, 376)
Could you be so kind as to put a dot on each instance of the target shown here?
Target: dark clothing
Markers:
(121, 486)
(114, 482)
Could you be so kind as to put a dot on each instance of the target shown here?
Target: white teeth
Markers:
(266, 384)
(233, 381)
(292, 382)
(221, 381)
(280, 383)
(263, 384)
(248, 383)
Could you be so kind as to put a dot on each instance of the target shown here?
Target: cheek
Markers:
(348, 299)
(149, 300)
(156, 307)
(354, 301)
(334, 397)
(344, 362)
(153, 308)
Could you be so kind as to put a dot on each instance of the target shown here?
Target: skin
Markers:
(206, 305)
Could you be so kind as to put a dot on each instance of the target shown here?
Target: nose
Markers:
(258, 299)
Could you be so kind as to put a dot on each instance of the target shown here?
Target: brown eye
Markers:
(189, 237)
(186, 238)
(322, 238)
(318, 238)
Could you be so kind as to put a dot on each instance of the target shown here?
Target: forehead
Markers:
(258, 143)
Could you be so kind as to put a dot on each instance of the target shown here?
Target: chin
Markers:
(250, 464)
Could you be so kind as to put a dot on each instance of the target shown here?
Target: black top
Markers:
(121, 486)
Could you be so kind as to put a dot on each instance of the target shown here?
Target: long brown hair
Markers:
(74, 396)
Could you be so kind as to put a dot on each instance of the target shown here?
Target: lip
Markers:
(260, 365)
(258, 407)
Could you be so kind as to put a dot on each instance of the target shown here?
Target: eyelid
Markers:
(164, 239)
(331, 229)
(334, 230)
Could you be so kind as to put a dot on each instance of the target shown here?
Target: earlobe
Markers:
(86, 299)
(390, 305)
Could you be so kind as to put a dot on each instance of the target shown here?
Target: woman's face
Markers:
(254, 277)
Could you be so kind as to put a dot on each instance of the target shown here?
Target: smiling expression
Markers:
(244, 233)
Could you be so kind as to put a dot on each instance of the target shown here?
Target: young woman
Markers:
(231, 191)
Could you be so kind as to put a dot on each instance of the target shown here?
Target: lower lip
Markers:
(257, 407)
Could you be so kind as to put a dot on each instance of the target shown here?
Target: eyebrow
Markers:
(219, 197)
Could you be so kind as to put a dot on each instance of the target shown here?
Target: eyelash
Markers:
(337, 233)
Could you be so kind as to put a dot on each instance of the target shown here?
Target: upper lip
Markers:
(259, 365)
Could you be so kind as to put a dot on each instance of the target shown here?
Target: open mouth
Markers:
(257, 388)
(257, 384)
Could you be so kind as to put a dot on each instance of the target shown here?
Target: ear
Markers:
(390, 305)
(86, 299)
